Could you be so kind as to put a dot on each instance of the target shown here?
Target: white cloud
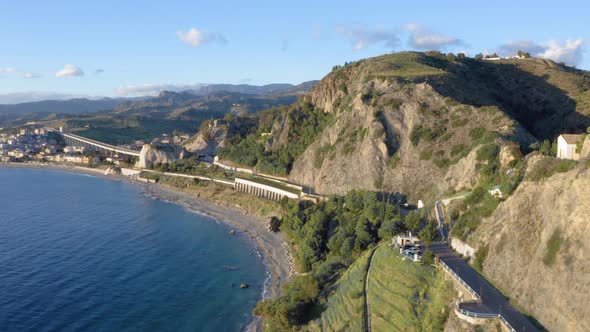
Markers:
(196, 37)
(70, 71)
(7, 70)
(422, 38)
(154, 89)
(362, 37)
(23, 74)
(568, 52)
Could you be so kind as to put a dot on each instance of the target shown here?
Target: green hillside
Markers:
(406, 296)
(345, 302)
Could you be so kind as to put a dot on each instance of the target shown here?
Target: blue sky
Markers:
(127, 48)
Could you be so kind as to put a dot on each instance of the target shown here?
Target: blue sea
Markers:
(83, 253)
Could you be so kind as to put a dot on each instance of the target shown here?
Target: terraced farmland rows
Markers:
(406, 296)
(345, 306)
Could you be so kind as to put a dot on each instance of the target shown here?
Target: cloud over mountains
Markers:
(422, 38)
(362, 37)
(195, 37)
(70, 71)
(153, 89)
(569, 52)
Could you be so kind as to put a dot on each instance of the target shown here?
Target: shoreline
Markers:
(271, 246)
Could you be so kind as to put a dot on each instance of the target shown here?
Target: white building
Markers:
(496, 192)
(567, 145)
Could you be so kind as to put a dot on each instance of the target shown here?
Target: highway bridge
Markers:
(90, 144)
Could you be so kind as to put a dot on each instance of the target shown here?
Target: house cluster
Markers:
(27, 144)
(40, 146)
(573, 146)
(410, 246)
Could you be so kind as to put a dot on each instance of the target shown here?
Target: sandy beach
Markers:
(271, 245)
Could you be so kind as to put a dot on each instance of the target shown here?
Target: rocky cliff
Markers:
(538, 248)
(159, 154)
(210, 138)
(411, 122)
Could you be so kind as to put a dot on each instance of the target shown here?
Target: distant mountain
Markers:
(213, 100)
(46, 107)
(245, 88)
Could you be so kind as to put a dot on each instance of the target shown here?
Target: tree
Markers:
(545, 147)
(413, 221)
(390, 227)
(478, 56)
(461, 55)
(428, 258)
(428, 233)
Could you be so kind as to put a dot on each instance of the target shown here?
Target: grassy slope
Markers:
(406, 296)
(345, 305)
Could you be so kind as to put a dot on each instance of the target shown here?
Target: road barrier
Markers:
(478, 299)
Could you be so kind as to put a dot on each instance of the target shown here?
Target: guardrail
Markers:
(477, 297)
(475, 314)
(469, 289)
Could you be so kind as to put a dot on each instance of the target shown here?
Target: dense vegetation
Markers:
(480, 203)
(327, 238)
(251, 148)
(546, 167)
(191, 166)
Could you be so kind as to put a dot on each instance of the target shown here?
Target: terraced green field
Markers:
(403, 296)
(345, 305)
(406, 296)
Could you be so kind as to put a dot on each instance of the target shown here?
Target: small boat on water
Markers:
(244, 285)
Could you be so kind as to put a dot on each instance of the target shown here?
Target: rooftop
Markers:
(571, 138)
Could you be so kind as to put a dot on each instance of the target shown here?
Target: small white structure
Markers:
(420, 204)
(495, 191)
(401, 240)
(567, 145)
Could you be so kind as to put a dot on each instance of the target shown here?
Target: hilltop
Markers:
(412, 122)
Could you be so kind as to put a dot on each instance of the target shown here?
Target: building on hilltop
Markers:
(567, 146)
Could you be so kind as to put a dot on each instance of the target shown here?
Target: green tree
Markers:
(428, 234)
(545, 147)
(413, 221)
(390, 227)
(428, 258)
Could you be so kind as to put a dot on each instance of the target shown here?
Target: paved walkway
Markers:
(492, 301)
(367, 304)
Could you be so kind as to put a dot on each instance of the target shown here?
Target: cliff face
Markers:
(209, 139)
(538, 249)
(397, 136)
(151, 155)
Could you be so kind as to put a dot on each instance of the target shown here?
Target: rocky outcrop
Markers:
(209, 139)
(538, 249)
(113, 170)
(159, 154)
(369, 145)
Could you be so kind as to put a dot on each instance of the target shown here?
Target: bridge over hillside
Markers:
(75, 140)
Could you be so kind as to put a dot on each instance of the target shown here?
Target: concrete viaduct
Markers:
(263, 190)
(75, 140)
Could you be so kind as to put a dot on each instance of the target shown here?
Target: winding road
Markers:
(492, 302)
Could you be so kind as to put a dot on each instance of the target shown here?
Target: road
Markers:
(367, 312)
(492, 301)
